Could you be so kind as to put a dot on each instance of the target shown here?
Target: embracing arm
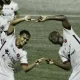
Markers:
(61, 18)
(18, 20)
(10, 30)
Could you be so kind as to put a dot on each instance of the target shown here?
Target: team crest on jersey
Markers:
(65, 40)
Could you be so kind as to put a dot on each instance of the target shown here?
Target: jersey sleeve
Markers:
(24, 58)
(71, 31)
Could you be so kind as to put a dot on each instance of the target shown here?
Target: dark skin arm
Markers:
(66, 65)
(61, 18)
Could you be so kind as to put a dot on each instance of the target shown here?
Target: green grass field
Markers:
(39, 45)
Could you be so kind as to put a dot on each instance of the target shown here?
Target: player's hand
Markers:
(41, 18)
(28, 18)
(38, 61)
(49, 61)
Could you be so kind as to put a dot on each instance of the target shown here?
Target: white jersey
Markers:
(8, 10)
(71, 51)
(4, 25)
(9, 54)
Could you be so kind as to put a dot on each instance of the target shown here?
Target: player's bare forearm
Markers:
(51, 17)
(17, 21)
(66, 66)
(27, 68)
(56, 17)
(62, 18)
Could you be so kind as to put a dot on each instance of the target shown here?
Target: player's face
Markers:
(56, 39)
(23, 39)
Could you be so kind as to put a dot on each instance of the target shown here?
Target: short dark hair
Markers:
(25, 32)
(53, 37)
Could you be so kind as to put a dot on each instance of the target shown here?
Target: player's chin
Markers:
(22, 44)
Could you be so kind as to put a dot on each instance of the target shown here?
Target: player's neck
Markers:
(17, 44)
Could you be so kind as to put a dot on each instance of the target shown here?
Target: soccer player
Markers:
(5, 23)
(12, 51)
(70, 46)
(10, 10)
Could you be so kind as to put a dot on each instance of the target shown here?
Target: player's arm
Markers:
(64, 65)
(61, 18)
(10, 30)
(27, 67)
(18, 20)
